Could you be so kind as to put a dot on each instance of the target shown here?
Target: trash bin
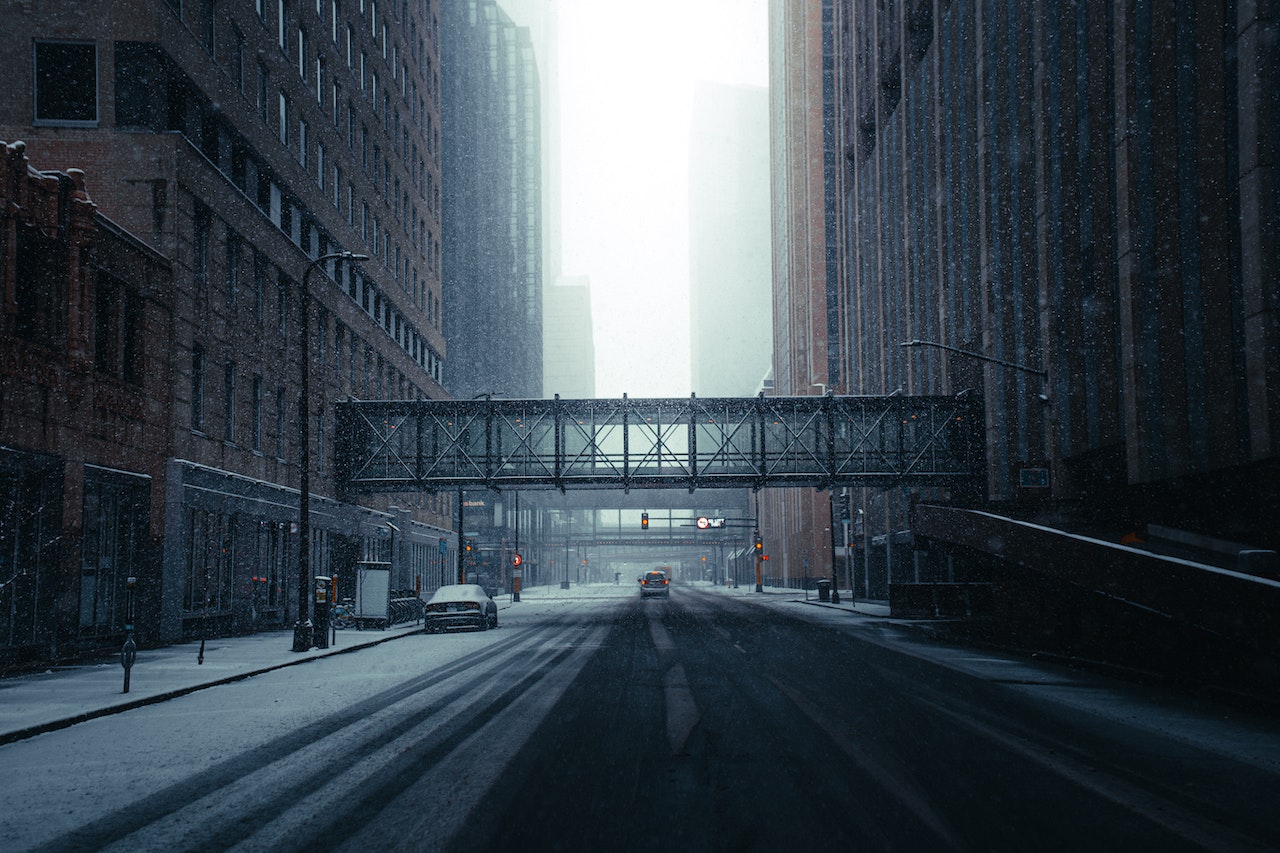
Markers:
(824, 589)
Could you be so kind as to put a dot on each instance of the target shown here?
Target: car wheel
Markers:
(484, 623)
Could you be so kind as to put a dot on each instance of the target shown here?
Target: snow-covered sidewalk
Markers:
(55, 698)
(63, 696)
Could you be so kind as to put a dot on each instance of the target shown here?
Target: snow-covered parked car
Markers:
(460, 605)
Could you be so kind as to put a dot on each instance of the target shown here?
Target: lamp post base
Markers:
(564, 584)
(302, 635)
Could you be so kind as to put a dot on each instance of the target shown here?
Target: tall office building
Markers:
(568, 341)
(1081, 207)
(542, 19)
(493, 203)
(806, 265)
(730, 324)
(227, 147)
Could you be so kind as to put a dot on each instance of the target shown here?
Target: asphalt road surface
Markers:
(712, 722)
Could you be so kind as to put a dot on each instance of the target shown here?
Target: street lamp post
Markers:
(302, 629)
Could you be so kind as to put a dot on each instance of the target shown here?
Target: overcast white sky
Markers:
(626, 80)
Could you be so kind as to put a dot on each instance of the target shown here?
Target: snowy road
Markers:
(707, 721)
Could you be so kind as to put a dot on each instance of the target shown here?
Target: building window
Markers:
(321, 88)
(322, 334)
(283, 29)
(197, 388)
(259, 283)
(284, 119)
(282, 304)
(320, 165)
(273, 556)
(200, 239)
(320, 440)
(302, 143)
(133, 335)
(229, 401)
(118, 328)
(114, 527)
(66, 82)
(280, 413)
(264, 92)
(256, 428)
(210, 561)
(233, 268)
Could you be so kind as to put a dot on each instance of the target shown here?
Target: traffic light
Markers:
(468, 545)
(759, 545)
(644, 521)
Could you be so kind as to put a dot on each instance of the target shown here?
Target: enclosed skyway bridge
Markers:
(629, 443)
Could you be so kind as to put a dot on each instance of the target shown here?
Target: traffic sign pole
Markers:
(516, 562)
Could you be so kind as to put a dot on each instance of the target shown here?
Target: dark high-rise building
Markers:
(1080, 203)
(229, 146)
(493, 203)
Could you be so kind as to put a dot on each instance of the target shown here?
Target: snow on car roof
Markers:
(456, 591)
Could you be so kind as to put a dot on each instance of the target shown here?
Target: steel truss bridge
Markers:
(693, 443)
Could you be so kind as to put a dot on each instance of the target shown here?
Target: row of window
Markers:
(296, 133)
(215, 541)
(367, 374)
(312, 69)
(349, 277)
(232, 557)
(305, 232)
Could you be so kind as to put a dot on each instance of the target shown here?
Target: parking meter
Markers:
(128, 652)
(322, 605)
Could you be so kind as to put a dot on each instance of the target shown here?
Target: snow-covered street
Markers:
(592, 718)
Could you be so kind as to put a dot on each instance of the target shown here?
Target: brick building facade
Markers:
(239, 142)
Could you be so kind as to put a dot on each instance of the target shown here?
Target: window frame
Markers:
(36, 118)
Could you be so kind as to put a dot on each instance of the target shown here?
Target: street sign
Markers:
(703, 522)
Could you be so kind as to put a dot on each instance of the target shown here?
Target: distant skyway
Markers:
(629, 443)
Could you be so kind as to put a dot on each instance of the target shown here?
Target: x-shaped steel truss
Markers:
(397, 446)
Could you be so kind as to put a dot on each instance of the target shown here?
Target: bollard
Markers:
(128, 654)
(129, 651)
